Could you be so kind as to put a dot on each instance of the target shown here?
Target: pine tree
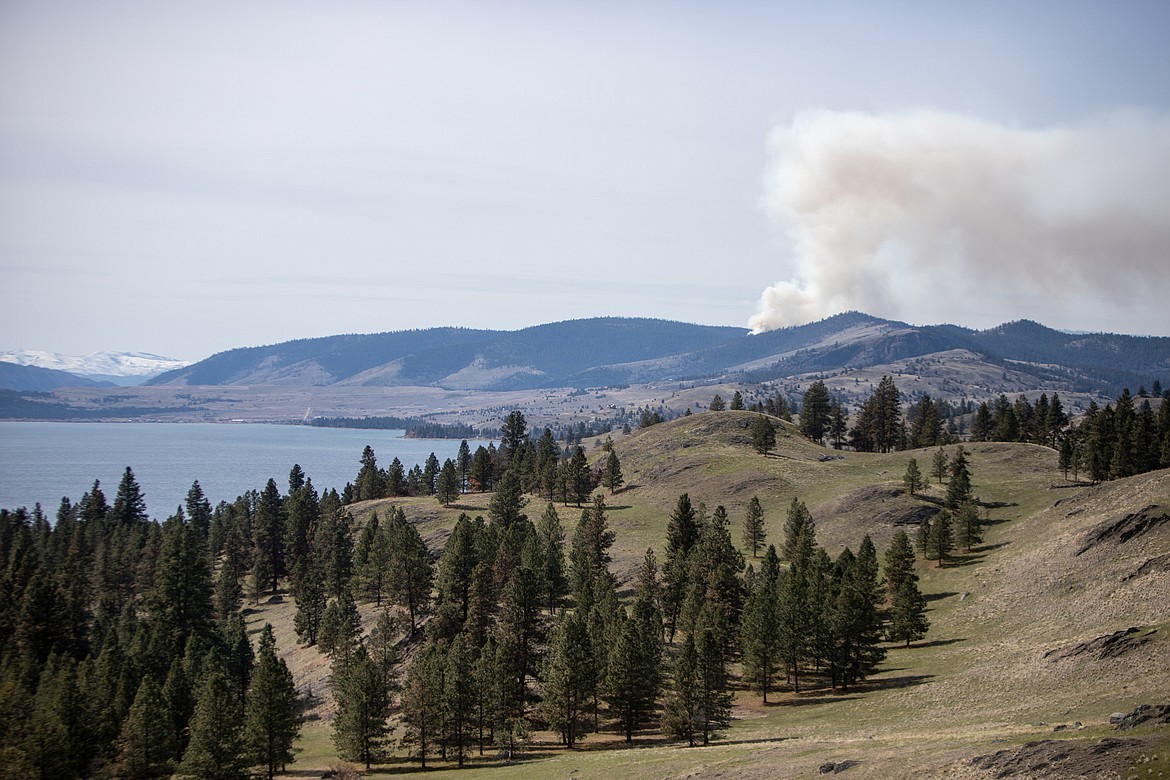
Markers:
(763, 434)
(360, 730)
(899, 562)
(759, 629)
(216, 750)
(908, 614)
(968, 526)
(940, 541)
(311, 604)
(612, 475)
(815, 412)
(682, 533)
(341, 629)
(422, 700)
(268, 537)
(959, 486)
(447, 487)
(714, 695)
(411, 573)
(569, 677)
(681, 716)
(632, 676)
(717, 404)
(272, 715)
(146, 745)
(913, 477)
(459, 697)
(129, 507)
(753, 527)
(551, 539)
(940, 465)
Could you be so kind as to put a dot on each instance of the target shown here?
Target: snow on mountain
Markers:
(123, 368)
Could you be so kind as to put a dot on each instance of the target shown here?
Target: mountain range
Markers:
(617, 351)
(26, 369)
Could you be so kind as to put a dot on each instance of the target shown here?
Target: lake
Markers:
(43, 461)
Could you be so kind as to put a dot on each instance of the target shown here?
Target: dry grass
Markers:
(980, 683)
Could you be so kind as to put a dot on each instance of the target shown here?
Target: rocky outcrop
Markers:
(1125, 529)
(1109, 646)
(1153, 714)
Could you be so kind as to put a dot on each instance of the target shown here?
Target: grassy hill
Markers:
(1020, 639)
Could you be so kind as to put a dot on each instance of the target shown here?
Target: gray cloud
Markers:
(935, 213)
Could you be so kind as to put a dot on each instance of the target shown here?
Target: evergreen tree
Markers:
(551, 539)
(959, 485)
(146, 746)
(311, 604)
(899, 562)
(272, 714)
(913, 477)
(612, 475)
(682, 532)
(507, 504)
(592, 539)
(411, 573)
(369, 483)
(383, 648)
(422, 694)
(753, 527)
(714, 695)
(815, 411)
(759, 630)
(341, 629)
(908, 614)
(129, 507)
(968, 526)
(940, 541)
(717, 404)
(631, 678)
(459, 697)
(940, 465)
(268, 538)
(681, 716)
(447, 487)
(569, 677)
(737, 402)
(360, 729)
(763, 434)
(216, 750)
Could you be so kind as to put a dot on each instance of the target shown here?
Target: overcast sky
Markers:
(183, 178)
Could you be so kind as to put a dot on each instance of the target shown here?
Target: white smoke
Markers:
(930, 211)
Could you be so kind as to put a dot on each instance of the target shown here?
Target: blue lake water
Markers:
(43, 461)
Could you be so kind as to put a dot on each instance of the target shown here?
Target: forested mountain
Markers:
(614, 351)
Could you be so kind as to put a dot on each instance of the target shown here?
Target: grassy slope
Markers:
(980, 679)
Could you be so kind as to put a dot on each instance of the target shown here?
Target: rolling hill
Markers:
(1056, 621)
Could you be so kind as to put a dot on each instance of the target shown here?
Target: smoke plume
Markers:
(937, 214)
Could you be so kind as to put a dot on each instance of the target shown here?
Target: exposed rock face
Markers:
(1128, 527)
(1147, 713)
(1049, 758)
(1109, 646)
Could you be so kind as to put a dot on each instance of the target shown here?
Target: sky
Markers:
(184, 178)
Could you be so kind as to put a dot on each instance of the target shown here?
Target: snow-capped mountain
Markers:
(121, 368)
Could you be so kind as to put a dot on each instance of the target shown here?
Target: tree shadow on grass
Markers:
(805, 699)
(404, 766)
(893, 683)
(933, 643)
(938, 596)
